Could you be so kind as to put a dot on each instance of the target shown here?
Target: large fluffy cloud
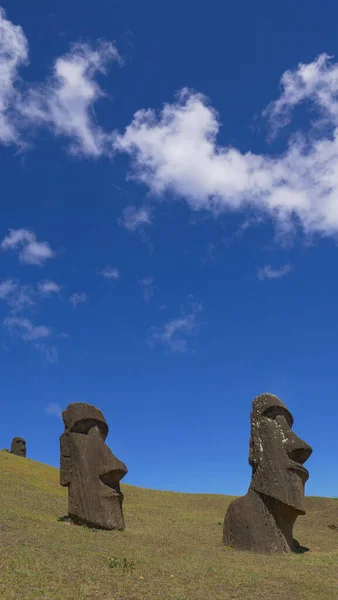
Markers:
(177, 151)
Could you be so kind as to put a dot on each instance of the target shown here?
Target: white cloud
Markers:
(110, 273)
(7, 288)
(17, 296)
(78, 298)
(267, 272)
(36, 335)
(177, 151)
(13, 53)
(54, 409)
(21, 297)
(134, 217)
(316, 81)
(65, 102)
(48, 288)
(25, 330)
(147, 288)
(30, 250)
(174, 333)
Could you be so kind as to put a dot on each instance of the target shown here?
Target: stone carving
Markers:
(263, 519)
(18, 447)
(90, 470)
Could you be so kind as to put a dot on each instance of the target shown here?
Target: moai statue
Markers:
(90, 470)
(18, 447)
(263, 520)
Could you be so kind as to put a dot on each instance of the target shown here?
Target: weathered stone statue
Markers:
(90, 470)
(263, 520)
(18, 447)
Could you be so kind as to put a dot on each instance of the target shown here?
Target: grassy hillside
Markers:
(171, 549)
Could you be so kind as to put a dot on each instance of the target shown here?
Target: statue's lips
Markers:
(111, 480)
(301, 471)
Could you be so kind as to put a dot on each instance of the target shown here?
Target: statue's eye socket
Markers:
(85, 426)
(277, 411)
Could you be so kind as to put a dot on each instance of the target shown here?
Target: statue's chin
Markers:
(292, 494)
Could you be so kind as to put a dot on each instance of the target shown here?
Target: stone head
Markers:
(18, 446)
(276, 453)
(90, 469)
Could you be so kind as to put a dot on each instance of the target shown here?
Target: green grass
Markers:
(170, 550)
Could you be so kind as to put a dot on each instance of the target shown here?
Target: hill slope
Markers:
(172, 546)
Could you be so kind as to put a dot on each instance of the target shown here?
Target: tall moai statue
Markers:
(90, 470)
(18, 447)
(263, 519)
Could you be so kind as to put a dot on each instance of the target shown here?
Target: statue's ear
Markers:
(253, 449)
(65, 459)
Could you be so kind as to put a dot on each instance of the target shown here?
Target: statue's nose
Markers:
(297, 449)
(117, 470)
(112, 468)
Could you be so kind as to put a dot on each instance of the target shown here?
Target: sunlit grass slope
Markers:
(171, 548)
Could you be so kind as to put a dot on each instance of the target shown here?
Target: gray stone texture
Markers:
(263, 519)
(18, 447)
(90, 470)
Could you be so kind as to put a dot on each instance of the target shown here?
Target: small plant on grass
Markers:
(116, 563)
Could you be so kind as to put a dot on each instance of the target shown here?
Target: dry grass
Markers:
(172, 546)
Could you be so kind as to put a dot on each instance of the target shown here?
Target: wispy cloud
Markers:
(50, 353)
(20, 297)
(147, 288)
(54, 409)
(13, 53)
(7, 288)
(78, 298)
(174, 333)
(64, 103)
(25, 330)
(177, 151)
(316, 81)
(110, 273)
(17, 296)
(25, 243)
(135, 217)
(48, 288)
(37, 336)
(267, 272)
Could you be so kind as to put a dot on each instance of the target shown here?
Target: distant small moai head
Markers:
(18, 447)
(276, 453)
(263, 519)
(90, 470)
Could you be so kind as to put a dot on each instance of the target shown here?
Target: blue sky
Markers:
(169, 230)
